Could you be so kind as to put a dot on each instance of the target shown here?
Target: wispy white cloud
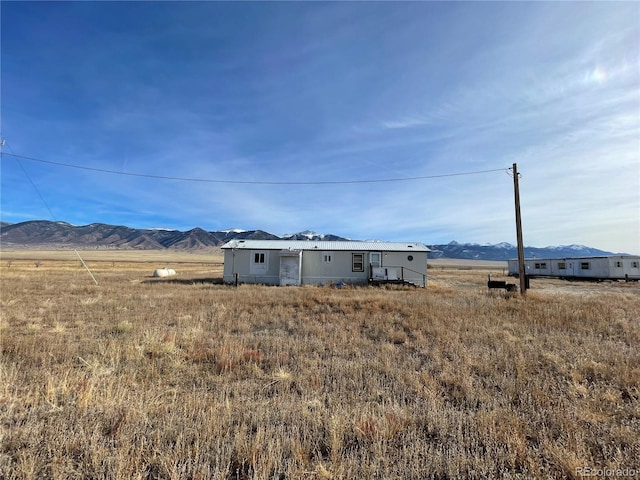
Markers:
(405, 123)
(420, 90)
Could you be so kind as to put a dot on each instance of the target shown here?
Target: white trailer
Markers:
(613, 267)
(302, 262)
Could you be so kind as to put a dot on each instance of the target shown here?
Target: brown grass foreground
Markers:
(190, 379)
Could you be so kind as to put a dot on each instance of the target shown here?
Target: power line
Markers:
(26, 174)
(250, 182)
(2, 144)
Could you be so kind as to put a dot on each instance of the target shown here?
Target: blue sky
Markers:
(327, 92)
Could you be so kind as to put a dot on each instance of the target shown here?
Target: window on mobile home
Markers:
(634, 264)
(562, 266)
(259, 262)
(357, 262)
(541, 266)
(327, 257)
(618, 264)
(585, 265)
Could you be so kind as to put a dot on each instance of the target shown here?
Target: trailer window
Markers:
(259, 262)
(634, 264)
(618, 264)
(357, 262)
(585, 265)
(562, 266)
(327, 257)
(541, 266)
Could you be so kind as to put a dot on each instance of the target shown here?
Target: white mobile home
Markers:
(301, 262)
(620, 267)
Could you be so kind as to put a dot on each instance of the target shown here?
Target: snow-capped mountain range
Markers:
(505, 251)
(97, 235)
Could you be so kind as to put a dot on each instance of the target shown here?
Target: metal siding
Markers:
(600, 267)
(413, 270)
(311, 261)
(238, 263)
(242, 266)
(315, 271)
(227, 271)
(629, 269)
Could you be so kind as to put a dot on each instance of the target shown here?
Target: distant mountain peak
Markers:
(308, 234)
(573, 246)
(162, 229)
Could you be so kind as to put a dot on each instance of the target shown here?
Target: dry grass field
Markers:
(186, 378)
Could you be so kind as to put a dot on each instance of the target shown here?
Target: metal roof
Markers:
(326, 245)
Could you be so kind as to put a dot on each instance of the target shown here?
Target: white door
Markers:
(375, 259)
(375, 262)
(290, 269)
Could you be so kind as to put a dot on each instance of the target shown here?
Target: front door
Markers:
(290, 268)
(375, 259)
(375, 264)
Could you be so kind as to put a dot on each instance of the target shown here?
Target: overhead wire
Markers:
(26, 174)
(18, 158)
(3, 143)
(252, 182)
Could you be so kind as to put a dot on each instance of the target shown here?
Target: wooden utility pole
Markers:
(521, 267)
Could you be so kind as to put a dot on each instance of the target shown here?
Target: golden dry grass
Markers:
(185, 378)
